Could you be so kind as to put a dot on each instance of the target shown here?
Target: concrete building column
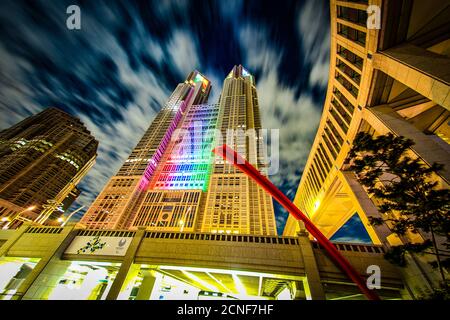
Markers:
(48, 279)
(127, 262)
(128, 284)
(13, 239)
(384, 119)
(311, 269)
(69, 233)
(414, 275)
(423, 71)
(146, 287)
(366, 206)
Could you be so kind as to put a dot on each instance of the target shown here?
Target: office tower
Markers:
(172, 182)
(235, 203)
(392, 79)
(42, 159)
(116, 205)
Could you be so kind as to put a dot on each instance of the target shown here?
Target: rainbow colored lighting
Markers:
(203, 80)
(189, 162)
(152, 164)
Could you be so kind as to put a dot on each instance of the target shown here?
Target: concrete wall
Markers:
(273, 255)
(261, 257)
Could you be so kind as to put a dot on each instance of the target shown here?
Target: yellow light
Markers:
(285, 294)
(60, 219)
(239, 285)
(181, 222)
(31, 208)
(200, 281)
(233, 272)
(4, 219)
(219, 282)
(316, 204)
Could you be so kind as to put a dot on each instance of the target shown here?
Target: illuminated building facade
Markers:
(42, 159)
(234, 202)
(389, 79)
(171, 181)
(116, 205)
(59, 263)
(176, 222)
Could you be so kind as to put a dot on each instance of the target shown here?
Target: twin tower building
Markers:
(172, 181)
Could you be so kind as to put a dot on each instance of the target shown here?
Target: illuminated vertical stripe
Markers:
(167, 136)
(190, 169)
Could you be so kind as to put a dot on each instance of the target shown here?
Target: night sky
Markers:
(118, 70)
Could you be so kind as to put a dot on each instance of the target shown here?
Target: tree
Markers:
(410, 200)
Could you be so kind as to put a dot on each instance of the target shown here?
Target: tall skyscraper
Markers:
(171, 181)
(42, 159)
(209, 230)
(234, 202)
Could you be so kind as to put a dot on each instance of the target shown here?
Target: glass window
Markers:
(352, 74)
(347, 84)
(352, 34)
(352, 15)
(356, 60)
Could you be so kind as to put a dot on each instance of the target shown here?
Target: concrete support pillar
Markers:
(384, 119)
(146, 287)
(378, 234)
(423, 71)
(406, 294)
(311, 269)
(46, 282)
(68, 234)
(419, 276)
(13, 239)
(416, 275)
(128, 284)
(127, 262)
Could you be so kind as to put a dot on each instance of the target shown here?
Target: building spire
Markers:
(238, 71)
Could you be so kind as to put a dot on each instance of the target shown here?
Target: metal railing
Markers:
(222, 237)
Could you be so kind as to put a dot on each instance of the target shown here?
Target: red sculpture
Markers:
(236, 160)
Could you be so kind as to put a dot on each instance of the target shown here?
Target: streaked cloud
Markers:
(118, 70)
(315, 40)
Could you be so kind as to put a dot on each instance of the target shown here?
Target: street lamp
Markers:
(15, 217)
(48, 209)
(69, 216)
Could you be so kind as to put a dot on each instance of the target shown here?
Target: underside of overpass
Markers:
(341, 202)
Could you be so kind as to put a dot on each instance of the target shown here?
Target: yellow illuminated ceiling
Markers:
(238, 284)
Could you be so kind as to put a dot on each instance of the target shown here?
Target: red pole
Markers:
(236, 160)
